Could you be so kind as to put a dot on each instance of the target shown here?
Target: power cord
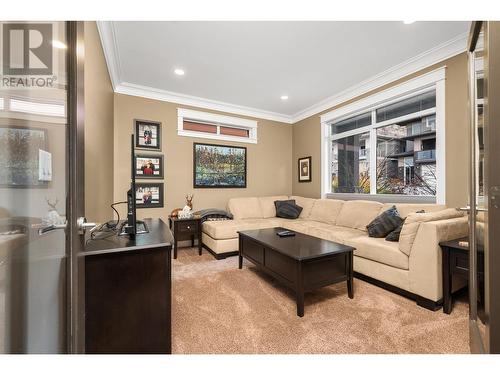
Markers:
(107, 229)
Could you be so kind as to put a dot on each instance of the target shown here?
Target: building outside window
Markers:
(387, 149)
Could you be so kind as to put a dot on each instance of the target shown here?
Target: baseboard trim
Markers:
(421, 301)
(219, 256)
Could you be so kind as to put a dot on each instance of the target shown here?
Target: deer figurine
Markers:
(189, 201)
(53, 217)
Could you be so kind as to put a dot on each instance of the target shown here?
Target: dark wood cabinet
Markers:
(128, 293)
(455, 263)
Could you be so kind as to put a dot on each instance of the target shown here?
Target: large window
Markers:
(387, 149)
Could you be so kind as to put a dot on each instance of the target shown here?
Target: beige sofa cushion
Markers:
(245, 208)
(306, 204)
(333, 233)
(358, 214)
(412, 223)
(226, 229)
(326, 210)
(405, 209)
(379, 250)
(267, 205)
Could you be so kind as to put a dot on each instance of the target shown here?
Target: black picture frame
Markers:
(196, 179)
(23, 178)
(157, 167)
(308, 161)
(141, 188)
(140, 137)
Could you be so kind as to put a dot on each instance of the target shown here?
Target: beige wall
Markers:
(98, 130)
(307, 135)
(269, 167)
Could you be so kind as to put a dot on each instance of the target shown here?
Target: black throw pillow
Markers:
(287, 209)
(384, 223)
(394, 235)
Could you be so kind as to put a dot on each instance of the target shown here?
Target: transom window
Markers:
(387, 149)
(214, 126)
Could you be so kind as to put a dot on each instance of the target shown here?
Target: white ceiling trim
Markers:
(433, 56)
(194, 101)
(110, 48)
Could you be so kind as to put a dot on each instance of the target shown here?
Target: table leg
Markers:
(200, 245)
(175, 248)
(240, 255)
(446, 281)
(300, 304)
(300, 291)
(350, 286)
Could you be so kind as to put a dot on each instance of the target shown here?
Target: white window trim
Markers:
(217, 120)
(434, 80)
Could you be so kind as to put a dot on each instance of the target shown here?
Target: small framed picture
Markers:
(148, 166)
(149, 195)
(305, 169)
(147, 135)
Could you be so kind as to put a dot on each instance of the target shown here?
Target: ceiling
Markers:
(244, 67)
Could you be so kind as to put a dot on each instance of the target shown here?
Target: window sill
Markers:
(220, 137)
(383, 198)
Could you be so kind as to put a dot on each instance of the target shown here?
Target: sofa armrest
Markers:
(425, 270)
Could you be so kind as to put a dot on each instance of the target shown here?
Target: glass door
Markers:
(477, 214)
(484, 187)
(34, 187)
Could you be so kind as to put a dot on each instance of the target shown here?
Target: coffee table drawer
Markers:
(281, 265)
(253, 250)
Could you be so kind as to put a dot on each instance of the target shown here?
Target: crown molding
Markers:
(433, 56)
(110, 47)
(194, 101)
(428, 58)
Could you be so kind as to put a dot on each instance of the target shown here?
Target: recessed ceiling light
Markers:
(58, 44)
(179, 72)
(284, 97)
(408, 22)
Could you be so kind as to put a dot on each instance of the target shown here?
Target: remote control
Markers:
(285, 233)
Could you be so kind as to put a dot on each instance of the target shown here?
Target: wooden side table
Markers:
(185, 229)
(456, 263)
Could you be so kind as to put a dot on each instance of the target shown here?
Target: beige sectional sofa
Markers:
(411, 266)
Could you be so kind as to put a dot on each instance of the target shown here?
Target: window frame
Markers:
(432, 81)
(219, 121)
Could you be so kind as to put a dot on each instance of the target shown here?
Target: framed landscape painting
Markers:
(20, 150)
(218, 166)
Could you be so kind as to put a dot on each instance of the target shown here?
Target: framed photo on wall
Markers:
(149, 195)
(305, 169)
(219, 166)
(147, 135)
(148, 166)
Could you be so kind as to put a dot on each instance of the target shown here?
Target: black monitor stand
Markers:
(132, 226)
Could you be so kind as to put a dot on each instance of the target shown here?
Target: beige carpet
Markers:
(217, 308)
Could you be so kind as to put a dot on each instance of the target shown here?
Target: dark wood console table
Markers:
(185, 229)
(128, 292)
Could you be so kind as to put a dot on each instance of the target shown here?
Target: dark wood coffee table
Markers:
(303, 263)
